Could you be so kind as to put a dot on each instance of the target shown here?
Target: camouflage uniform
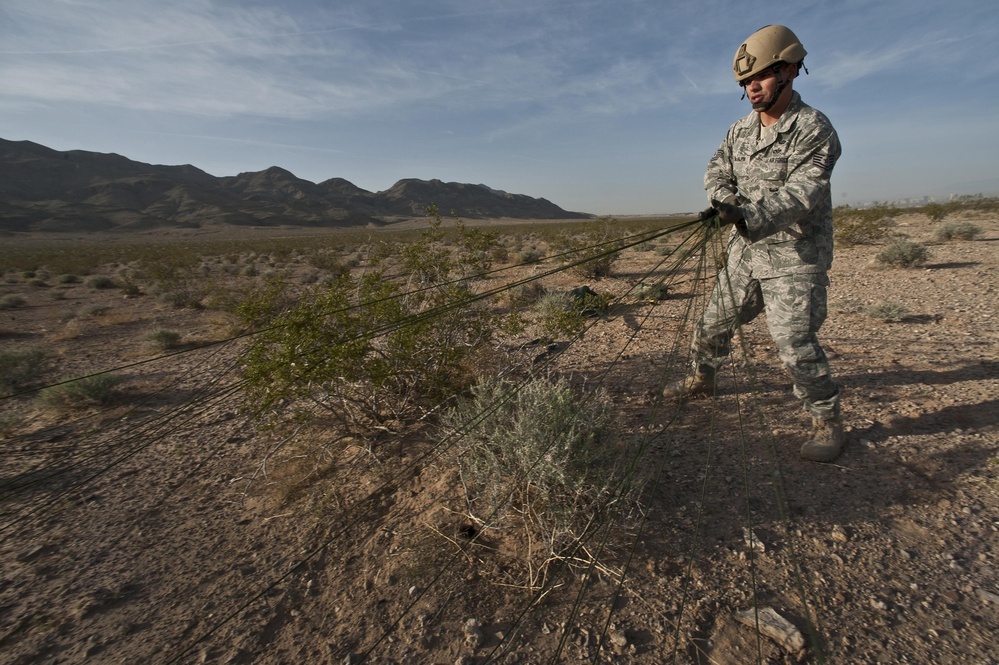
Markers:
(780, 265)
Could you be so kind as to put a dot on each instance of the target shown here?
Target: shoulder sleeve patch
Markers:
(824, 162)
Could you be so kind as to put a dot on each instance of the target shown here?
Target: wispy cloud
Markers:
(215, 58)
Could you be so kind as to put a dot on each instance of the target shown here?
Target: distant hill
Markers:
(47, 190)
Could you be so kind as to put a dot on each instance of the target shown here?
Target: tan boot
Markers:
(701, 382)
(827, 441)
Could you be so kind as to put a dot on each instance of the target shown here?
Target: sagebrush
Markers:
(903, 253)
(539, 455)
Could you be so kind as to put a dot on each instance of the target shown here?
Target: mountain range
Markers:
(46, 190)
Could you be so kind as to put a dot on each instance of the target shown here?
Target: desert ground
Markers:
(170, 526)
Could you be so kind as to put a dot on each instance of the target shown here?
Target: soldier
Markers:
(770, 180)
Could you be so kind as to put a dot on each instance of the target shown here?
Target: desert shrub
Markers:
(130, 289)
(326, 260)
(500, 253)
(99, 282)
(28, 274)
(94, 390)
(863, 226)
(957, 231)
(848, 306)
(526, 295)
(593, 253)
(889, 312)
(95, 310)
(10, 422)
(555, 314)
(538, 456)
(530, 256)
(977, 202)
(164, 338)
(652, 292)
(186, 294)
(903, 253)
(361, 350)
(68, 278)
(477, 249)
(19, 368)
(11, 300)
(38, 282)
(249, 271)
(936, 211)
(563, 314)
(438, 256)
(664, 247)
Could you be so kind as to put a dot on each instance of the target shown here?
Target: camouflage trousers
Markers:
(795, 307)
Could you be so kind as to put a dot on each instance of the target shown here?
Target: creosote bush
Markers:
(595, 251)
(360, 351)
(863, 226)
(903, 253)
(539, 456)
(363, 351)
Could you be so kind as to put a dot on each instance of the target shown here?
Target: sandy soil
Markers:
(170, 528)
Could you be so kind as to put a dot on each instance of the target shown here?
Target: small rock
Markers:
(752, 541)
(618, 638)
(474, 636)
(951, 596)
(839, 535)
(773, 626)
(29, 554)
(987, 596)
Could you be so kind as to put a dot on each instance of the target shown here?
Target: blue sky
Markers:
(608, 107)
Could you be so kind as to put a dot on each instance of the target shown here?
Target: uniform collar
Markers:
(784, 123)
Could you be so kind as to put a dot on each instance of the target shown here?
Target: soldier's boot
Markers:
(701, 382)
(827, 440)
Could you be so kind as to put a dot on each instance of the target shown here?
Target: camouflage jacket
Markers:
(783, 183)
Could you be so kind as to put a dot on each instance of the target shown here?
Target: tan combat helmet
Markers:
(768, 46)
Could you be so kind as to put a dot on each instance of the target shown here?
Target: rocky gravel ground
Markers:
(169, 528)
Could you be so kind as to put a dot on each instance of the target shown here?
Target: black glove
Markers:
(728, 213)
(706, 214)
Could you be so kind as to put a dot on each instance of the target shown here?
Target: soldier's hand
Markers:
(727, 212)
(706, 214)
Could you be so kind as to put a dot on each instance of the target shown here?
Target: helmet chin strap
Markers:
(764, 106)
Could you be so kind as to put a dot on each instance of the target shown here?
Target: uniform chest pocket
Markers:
(772, 170)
